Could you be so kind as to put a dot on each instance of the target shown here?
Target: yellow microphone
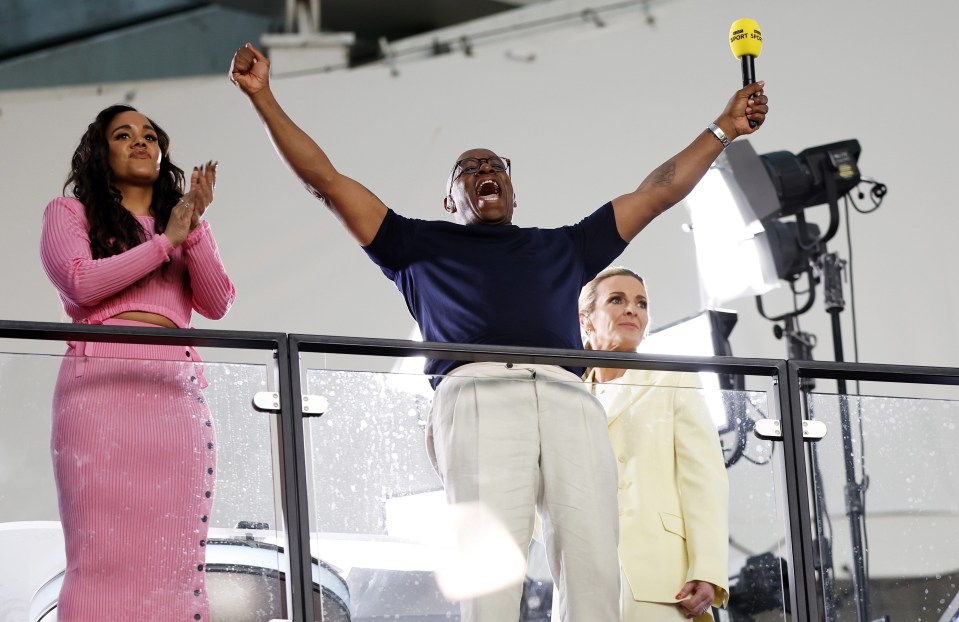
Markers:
(746, 42)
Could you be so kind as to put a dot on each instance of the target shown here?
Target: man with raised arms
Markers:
(518, 438)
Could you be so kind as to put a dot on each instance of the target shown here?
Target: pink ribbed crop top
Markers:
(93, 290)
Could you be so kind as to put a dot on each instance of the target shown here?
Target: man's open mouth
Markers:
(488, 189)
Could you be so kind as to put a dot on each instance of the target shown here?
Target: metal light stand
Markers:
(799, 345)
(832, 266)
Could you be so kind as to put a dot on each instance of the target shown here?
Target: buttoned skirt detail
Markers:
(134, 455)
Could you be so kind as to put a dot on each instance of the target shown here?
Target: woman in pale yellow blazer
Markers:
(673, 490)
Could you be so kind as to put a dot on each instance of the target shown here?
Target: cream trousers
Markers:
(529, 438)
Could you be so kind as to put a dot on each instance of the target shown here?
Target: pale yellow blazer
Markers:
(673, 489)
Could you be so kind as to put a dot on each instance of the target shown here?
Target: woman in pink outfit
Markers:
(133, 443)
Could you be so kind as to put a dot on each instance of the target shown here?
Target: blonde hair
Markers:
(587, 297)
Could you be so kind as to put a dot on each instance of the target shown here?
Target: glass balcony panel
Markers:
(379, 515)
(246, 561)
(901, 453)
(29, 518)
(241, 556)
(757, 529)
(373, 490)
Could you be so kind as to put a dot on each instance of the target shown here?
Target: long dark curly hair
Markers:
(113, 229)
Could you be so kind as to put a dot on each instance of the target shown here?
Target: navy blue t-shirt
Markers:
(495, 284)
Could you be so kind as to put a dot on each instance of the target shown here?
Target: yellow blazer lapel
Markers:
(636, 384)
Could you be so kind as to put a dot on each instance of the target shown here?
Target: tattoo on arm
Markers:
(663, 176)
(325, 198)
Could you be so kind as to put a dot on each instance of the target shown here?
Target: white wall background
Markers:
(586, 120)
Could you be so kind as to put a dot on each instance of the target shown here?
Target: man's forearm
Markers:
(357, 208)
(295, 147)
(674, 179)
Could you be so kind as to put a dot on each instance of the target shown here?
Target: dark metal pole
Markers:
(802, 597)
(832, 268)
(293, 478)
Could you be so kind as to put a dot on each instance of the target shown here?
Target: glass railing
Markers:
(758, 548)
(152, 476)
(325, 504)
(885, 508)
(379, 513)
(902, 494)
(367, 469)
(29, 517)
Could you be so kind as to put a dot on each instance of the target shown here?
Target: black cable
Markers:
(827, 565)
(792, 286)
(876, 195)
(772, 446)
(796, 304)
(744, 424)
(864, 482)
(772, 451)
(852, 288)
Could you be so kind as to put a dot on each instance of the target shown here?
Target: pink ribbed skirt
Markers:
(134, 460)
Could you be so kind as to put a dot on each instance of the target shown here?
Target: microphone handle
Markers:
(749, 75)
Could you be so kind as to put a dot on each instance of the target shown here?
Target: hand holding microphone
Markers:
(746, 42)
(747, 109)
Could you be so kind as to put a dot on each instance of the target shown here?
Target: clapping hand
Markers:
(185, 215)
(200, 195)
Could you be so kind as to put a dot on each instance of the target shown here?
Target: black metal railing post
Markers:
(294, 486)
(802, 573)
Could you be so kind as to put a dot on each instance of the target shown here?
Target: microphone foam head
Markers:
(745, 38)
